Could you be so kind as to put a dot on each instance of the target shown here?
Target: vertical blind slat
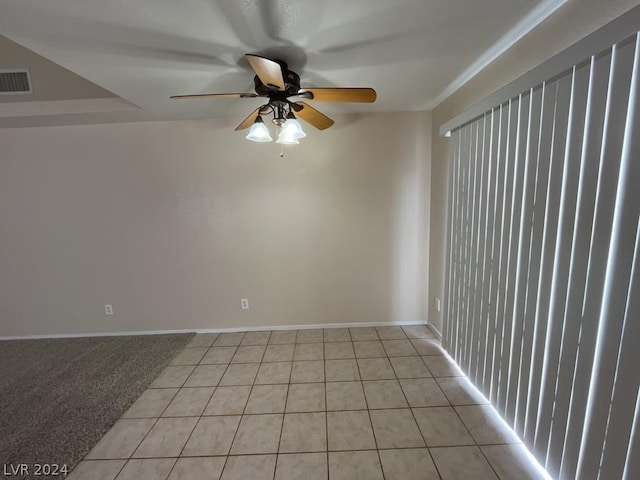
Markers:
(466, 253)
(450, 299)
(632, 464)
(544, 259)
(511, 187)
(599, 252)
(463, 162)
(549, 243)
(453, 189)
(475, 278)
(562, 254)
(554, 204)
(524, 241)
(521, 168)
(482, 319)
(555, 201)
(551, 435)
(479, 268)
(499, 268)
(537, 221)
(456, 246)
(617, 276)
(627, 380)
(489, 246)
(560, 213)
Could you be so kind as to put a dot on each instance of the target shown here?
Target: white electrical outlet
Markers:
(244, 303)
(438, 304)
(108, 309)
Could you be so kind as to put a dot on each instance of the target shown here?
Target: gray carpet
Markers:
(59, 396)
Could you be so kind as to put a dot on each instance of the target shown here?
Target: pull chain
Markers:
(281, 145)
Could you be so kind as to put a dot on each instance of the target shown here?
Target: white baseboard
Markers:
(435, 331)
(217, 330)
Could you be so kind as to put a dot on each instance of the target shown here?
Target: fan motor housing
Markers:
(291, 83)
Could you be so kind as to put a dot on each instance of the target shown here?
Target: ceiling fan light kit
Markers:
(274, 81)
(292, 128)
(287, 141)
(259, 132)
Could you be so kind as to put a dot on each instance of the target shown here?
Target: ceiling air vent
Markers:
(14, 81)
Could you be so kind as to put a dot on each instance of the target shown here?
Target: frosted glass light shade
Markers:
(259, 132)
(287, 140)
(292, 130)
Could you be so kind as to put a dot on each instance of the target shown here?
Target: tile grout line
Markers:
(157, 419)
(153, 426)
(203, 408)
(418, 425)
(277, 453)
(275, 465)
(326, 406)
(216, 387)
(477, 446)
(284, 412)
(226, 458)
(366, 402)
(439, 447)
(416, 420)
(326, 410)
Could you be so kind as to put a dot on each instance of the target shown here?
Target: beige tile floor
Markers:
(360, 403)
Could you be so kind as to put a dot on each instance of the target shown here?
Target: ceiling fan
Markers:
(274, 80)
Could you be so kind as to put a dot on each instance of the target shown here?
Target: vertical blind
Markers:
(542, 304)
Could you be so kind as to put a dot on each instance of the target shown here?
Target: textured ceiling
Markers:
(410, 51)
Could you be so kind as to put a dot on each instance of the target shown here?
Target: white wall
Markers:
(174, 222)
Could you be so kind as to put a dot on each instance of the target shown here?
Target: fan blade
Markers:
(217, 95)
(363, 95)
(247, 122)
(312, 116)
(268, 71)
